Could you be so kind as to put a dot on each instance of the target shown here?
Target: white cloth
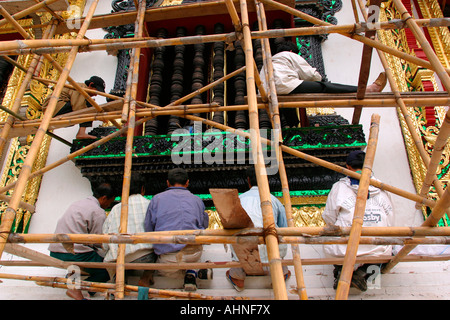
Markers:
(339, 210)
(289, 71)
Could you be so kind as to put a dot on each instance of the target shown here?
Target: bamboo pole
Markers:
(19, 28)
(28, 11)
(10, 212)
(275, 115)
(98, 286)
(358, 216)
(438, 211)
(63, 45)
(161, 236)
(355, 36)
(74, 118)
(276, 272)
(387, 238)
(130, 115)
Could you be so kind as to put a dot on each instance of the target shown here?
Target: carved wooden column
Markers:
(218, 72)
(156, 82)
(239, 87)
(176, 89)
(198, 75)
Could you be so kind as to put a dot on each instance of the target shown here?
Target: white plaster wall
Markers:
(64, 184)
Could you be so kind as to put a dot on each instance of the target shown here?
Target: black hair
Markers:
(104, 189)
(177, 176)
(287, 46)
(356, 159)
(136, 183)
(251, 174)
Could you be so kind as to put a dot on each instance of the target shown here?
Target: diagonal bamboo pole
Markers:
(276, 271)
(19, 28)
(30, 10)
(133, 77)
(354, 36)
(438, 211)
(275, 115)
(358, 216)
(10, 212)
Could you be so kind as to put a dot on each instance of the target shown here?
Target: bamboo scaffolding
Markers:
(275, 118)
(334, 231)
(276, 272)
(385, 239)
(130, 116)
(274, 235)
(22, 31)
(358, 216)
(10, 212)
(227, 264)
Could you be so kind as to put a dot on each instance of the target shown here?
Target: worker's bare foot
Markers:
(379, 84)
(147, 279)
(85, 136)
(75, 294)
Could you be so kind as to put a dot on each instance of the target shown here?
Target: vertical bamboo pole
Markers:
(275, 114)
(276, 271)
(133, 77)
(10, 212)
(358, 216)
(20, 93)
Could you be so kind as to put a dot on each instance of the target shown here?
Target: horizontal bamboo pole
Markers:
(229, 264)
(287, 231)
(57, 281)
(62, 45)
(90, 115)
(212, 239)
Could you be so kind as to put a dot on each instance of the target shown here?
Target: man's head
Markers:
(355, 160)
(105, 195)
(287, 46)
(137, 183)
(96, 83)
(250, 173)
(178, 177)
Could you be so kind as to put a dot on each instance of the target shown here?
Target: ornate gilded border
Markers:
(410, 77)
